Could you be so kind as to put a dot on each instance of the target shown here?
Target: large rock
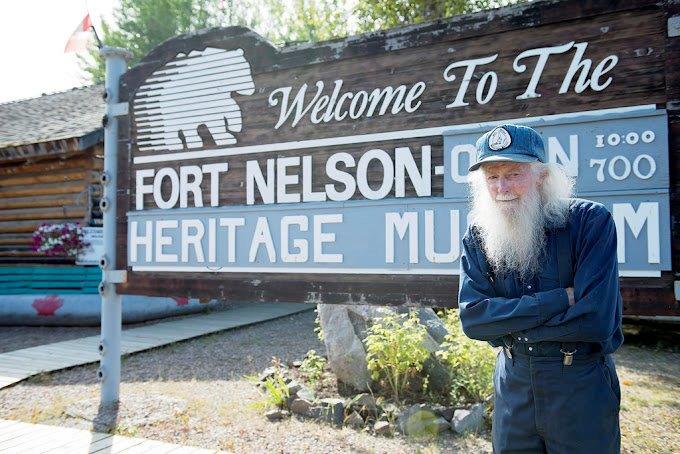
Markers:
(333, 410)
(355, 420)
(471, 420)
(346, 354)
(421, 420)
(302, 407)
(364, 404)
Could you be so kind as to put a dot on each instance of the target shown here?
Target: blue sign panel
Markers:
(623, 151)
(619, 158)
(411, 236)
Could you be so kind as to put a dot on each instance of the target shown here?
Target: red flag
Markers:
(80, 37)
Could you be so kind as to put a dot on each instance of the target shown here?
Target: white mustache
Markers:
(505, 198)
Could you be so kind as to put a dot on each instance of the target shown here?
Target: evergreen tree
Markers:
(140, 25)
(379, 14)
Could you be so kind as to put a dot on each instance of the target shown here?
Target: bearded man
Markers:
(539, 277)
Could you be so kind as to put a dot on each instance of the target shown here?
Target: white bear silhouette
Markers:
(192, 94)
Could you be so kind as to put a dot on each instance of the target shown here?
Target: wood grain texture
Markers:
(646, 73)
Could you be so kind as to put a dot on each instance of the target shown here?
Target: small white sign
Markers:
(92, 254)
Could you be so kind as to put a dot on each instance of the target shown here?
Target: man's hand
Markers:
(570, 294)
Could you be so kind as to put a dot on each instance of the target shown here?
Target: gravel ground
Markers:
(197, 392)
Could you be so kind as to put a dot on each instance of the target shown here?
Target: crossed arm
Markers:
(548, 315)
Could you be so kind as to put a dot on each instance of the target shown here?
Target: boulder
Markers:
(277, 414)
(302, 407)
(471, 420)
(365, 404)
(332, 410)
(293, 387)
(382, 428)
(345, 351)
(445, 412)
(354, 420)
(306, 394)
(420, 420)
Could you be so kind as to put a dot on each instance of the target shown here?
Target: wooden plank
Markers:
(43, 436)
(22, 214)
(80, 444)
(146, 446)
(15, 431)
(62, 438)
(31, 226)
(82, 161)
(6, 423)
(70, 187)
(25, 239)
(54, 200)
(113, 443)
(22, 436)
(51, 177)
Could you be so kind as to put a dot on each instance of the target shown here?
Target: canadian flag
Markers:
(80, 37)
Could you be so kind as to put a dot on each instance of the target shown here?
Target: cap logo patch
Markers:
(499, 139)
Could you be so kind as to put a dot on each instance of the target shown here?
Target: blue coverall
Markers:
(541, 404)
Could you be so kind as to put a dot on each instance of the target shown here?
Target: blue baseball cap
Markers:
(509, 143)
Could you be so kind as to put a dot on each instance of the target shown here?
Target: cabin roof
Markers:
(74, 113)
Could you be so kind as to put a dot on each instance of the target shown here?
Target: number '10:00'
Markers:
(630, 138)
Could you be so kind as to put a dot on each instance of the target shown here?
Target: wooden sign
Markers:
(319, 173)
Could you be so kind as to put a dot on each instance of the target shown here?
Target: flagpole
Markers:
(111, 315)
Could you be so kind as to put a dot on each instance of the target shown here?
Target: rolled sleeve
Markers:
(552, 302)
(596, 315)
(487, 316)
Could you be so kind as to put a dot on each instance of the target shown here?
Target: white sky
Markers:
(33, 34)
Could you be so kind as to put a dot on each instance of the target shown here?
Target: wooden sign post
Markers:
(336, 172)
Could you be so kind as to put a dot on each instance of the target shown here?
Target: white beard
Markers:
(512, 233)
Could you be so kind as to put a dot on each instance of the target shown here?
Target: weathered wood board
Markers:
(224, 128)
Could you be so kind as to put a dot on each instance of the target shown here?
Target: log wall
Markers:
(51, 188)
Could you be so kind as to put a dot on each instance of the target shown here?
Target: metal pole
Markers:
(109, 346)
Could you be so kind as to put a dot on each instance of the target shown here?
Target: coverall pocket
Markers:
(611, 380)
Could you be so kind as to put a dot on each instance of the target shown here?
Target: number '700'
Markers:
(622, 171)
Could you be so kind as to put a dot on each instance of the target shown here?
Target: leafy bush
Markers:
(277, 391)
(471, 362)
(395, 350)
(312, 366)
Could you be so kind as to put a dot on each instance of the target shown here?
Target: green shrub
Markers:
(312, 366)
(471, 362)
(395, 350)
(277, 391)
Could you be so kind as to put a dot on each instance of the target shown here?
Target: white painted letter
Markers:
(388, 174)
(401, 223)
(320, 238)
(261, 236)
(254, 177)
(647, 212)
(454, 238)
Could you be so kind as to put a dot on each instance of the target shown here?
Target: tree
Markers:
(306, 20)
(379, 14)
(140, 25)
